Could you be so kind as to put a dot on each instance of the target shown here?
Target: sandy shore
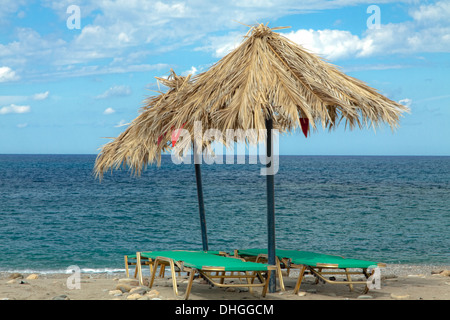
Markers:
(399, 282)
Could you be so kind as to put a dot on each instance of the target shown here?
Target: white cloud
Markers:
(429, 31)
(8, 8)
(116, 91)
(406, 102)
(8, 100)
(7, 74)
(22, 125)
(128, 32)
(109, 111)
(93, 70)
(332, 44)
(222, 45)
(122, 36)
(432, 14)
(41, 96)
(121, 123)
(15, 109)
(4, 100)
(191, 71)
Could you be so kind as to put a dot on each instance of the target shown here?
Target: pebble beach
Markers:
(398, 282)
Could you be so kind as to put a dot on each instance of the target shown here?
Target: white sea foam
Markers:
(65, 271)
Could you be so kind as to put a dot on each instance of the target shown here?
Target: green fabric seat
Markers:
(212, 267)
(315, 263)
(200, 260)
(313, 259)
(217, 252)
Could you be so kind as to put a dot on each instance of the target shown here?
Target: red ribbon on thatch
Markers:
(175, 136)
(304, 122)
(159, 139)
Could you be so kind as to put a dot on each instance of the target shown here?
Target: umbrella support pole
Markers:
(201, 205)
(270, 203)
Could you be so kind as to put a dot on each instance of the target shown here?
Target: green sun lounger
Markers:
(315, 263)
(213, 268)
(131, 260)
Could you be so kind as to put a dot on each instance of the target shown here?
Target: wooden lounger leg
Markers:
(259, 257)
(280, 275)
(174, 277)
(319, 270)
(162, 261)
(367, 275)
(266, 286)
(189, 285)
(138, 268)
(288, 267)
(349, 279)
(126, 267)
(150, 265)
(152, 277)
(299, 280)
(250, 281)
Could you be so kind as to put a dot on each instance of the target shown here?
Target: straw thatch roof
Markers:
(266, 76)
(145, 138)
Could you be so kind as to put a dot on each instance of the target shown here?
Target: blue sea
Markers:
(55, 214)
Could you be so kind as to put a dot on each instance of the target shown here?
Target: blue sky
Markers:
(62, 90)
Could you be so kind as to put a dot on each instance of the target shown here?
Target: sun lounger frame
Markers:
(215, 275)
(131, 260)
(336, 271)
(317, 271)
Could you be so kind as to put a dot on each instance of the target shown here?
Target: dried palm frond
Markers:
(266, 76)
(270, 76)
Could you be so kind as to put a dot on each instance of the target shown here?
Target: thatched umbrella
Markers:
(270, 82)
(145, 139)
(267, 82)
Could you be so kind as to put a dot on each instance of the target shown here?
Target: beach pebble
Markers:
(436, 271)
(445, 273)
(400, 296)
(152, 293)
(32, 276)
(301, 294)
(61, 297)
(115, 292)
(129, 281)
(140, 290)
(134, 296)
(123, 287)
